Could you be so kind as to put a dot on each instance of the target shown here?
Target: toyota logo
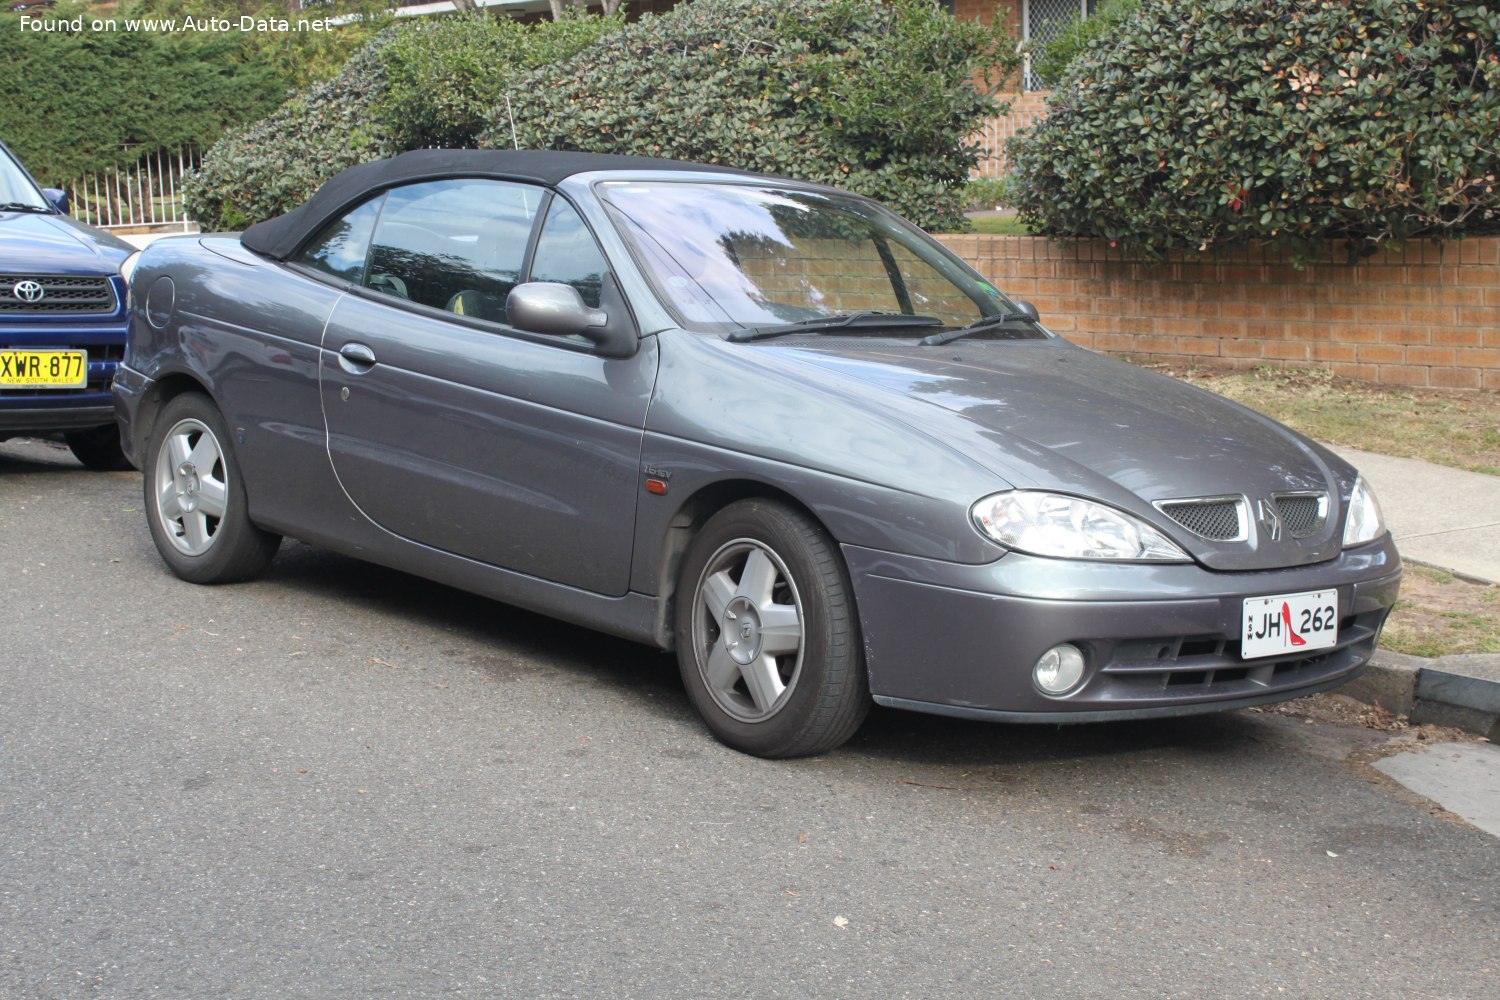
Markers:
(28, 290)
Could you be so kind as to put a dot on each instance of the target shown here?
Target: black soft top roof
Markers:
(280, 237)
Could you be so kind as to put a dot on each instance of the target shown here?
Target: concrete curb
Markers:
(1458, 691)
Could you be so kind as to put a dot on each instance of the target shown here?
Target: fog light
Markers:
(1059, 670)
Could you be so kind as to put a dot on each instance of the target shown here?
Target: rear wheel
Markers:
(195, 499)
(98, 448)
(767, 638)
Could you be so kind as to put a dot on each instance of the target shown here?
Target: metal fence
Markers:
(1044, 21)
(147, 192)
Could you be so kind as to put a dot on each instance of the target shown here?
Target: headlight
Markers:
(127, 268)
(1364, 523)
(1048, 524)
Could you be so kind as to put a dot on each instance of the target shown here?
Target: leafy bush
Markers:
(872, 96)
(419, 83)
(983, 194)
(445, 76)
(1211, 121)
(1050, 61)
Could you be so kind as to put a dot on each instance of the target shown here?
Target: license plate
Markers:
(44, 369)
(1289, 623)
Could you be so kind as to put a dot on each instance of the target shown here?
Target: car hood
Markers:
(1049, 415)
(31, 243)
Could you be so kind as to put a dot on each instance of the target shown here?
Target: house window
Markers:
(1043, 20)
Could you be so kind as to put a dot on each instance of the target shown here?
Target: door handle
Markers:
(356, 359)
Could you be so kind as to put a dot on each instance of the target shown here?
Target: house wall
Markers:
(633, 10)
(1025, 110)
(984, 10)
(1427, 317)
(1025, 107)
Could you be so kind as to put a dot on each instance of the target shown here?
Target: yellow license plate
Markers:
(43, 369)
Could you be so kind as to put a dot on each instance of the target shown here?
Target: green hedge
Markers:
(1203, 122)
(872, 95)
(74, 103)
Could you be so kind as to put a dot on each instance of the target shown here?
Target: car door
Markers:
(451, 429)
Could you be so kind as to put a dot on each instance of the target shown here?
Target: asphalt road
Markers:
(340, 781)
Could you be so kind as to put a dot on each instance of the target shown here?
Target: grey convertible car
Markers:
(764, 423)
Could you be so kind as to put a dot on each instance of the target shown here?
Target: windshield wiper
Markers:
(865, 318)
(988, 323)
(22, 206)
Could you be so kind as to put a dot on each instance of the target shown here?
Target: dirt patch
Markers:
(1341, 710)
(1439, 615)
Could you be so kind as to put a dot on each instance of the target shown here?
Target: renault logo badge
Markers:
(1265, 513)
(28, 290)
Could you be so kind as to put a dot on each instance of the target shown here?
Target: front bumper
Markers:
(1158, 640)
(130, 388)
(37, 411)
(45, 416)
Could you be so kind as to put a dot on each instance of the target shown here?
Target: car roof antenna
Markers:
(516, 143)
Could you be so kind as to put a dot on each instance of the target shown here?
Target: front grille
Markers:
(61, 294)
(1219, 519)
(1302, 513)
(1195, 666)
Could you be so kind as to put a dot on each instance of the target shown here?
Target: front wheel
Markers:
(195, 499)
(767, 638)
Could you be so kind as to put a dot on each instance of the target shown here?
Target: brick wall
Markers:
(1025, 110)
(1427, 317)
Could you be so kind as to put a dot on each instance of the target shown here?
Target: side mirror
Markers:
(554, 308)
(58, 197)
(1028, 310)
(550, 307)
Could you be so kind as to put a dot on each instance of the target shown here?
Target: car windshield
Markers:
(734, 256)
(16, 188)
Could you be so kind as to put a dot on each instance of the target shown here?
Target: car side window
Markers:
(341, 246)
(566, 253)
(457, 245)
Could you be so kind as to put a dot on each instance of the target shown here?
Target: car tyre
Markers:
(98, 448)
(195, 498)
(766, 633)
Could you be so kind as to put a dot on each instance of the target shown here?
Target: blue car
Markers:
(62, 320)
